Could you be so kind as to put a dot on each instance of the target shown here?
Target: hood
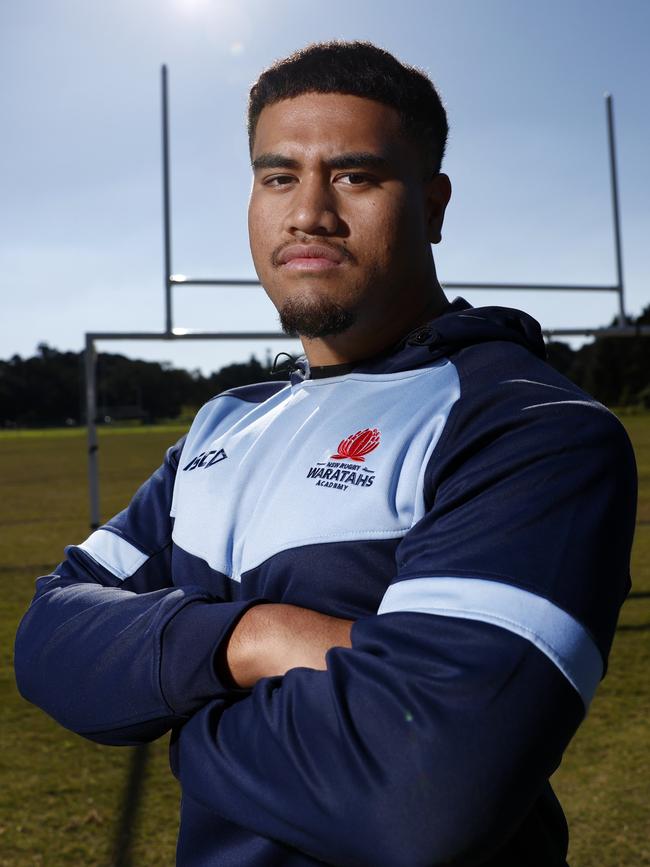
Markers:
(462, 325)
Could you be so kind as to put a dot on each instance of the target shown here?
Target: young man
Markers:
(373, 603)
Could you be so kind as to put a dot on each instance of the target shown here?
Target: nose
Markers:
(313, 209)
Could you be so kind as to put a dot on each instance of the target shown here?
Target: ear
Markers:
(438, 193)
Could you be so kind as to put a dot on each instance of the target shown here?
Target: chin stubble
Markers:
(314, 318)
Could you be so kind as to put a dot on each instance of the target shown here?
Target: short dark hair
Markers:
(360, 69)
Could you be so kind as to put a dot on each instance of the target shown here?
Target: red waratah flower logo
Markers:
(354, 447)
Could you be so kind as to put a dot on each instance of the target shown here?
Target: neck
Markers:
(363, 340)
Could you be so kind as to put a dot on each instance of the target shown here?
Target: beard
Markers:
(312, 318)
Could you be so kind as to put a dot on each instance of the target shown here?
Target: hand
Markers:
(270, 639)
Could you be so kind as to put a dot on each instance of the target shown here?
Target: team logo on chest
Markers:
(343, 470)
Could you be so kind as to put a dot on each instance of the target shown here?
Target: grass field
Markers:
(60, 795)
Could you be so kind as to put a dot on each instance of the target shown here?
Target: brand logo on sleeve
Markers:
(205, 460)
(342, 470)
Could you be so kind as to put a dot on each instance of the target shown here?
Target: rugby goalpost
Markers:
(172, 281)
(126, 822)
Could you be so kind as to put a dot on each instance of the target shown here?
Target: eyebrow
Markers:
(352, 160)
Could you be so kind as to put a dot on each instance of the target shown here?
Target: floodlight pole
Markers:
(622, 317)
(167, 232)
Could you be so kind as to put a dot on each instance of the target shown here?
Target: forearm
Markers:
(120, 667)
(109, 646)
(269, 640)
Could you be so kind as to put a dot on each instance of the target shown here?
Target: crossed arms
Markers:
(420, 738)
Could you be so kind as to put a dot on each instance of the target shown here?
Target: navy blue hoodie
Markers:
(470, 508)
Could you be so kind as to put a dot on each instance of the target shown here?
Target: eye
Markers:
(278, 180)
(355, 179)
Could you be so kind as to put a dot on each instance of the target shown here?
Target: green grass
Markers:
(604, 780)
(112, 430)
(60, 797)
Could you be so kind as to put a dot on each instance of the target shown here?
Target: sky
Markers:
(81, 244)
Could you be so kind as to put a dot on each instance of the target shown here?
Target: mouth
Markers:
(309, 257)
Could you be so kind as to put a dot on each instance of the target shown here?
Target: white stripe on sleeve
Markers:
(552, 630)
(114, 553)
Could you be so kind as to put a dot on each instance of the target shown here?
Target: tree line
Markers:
(48, 388)
(615, 370)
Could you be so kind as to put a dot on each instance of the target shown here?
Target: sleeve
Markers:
(109, 647)
(430, 740)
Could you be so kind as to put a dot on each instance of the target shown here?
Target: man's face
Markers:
(341, 216)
